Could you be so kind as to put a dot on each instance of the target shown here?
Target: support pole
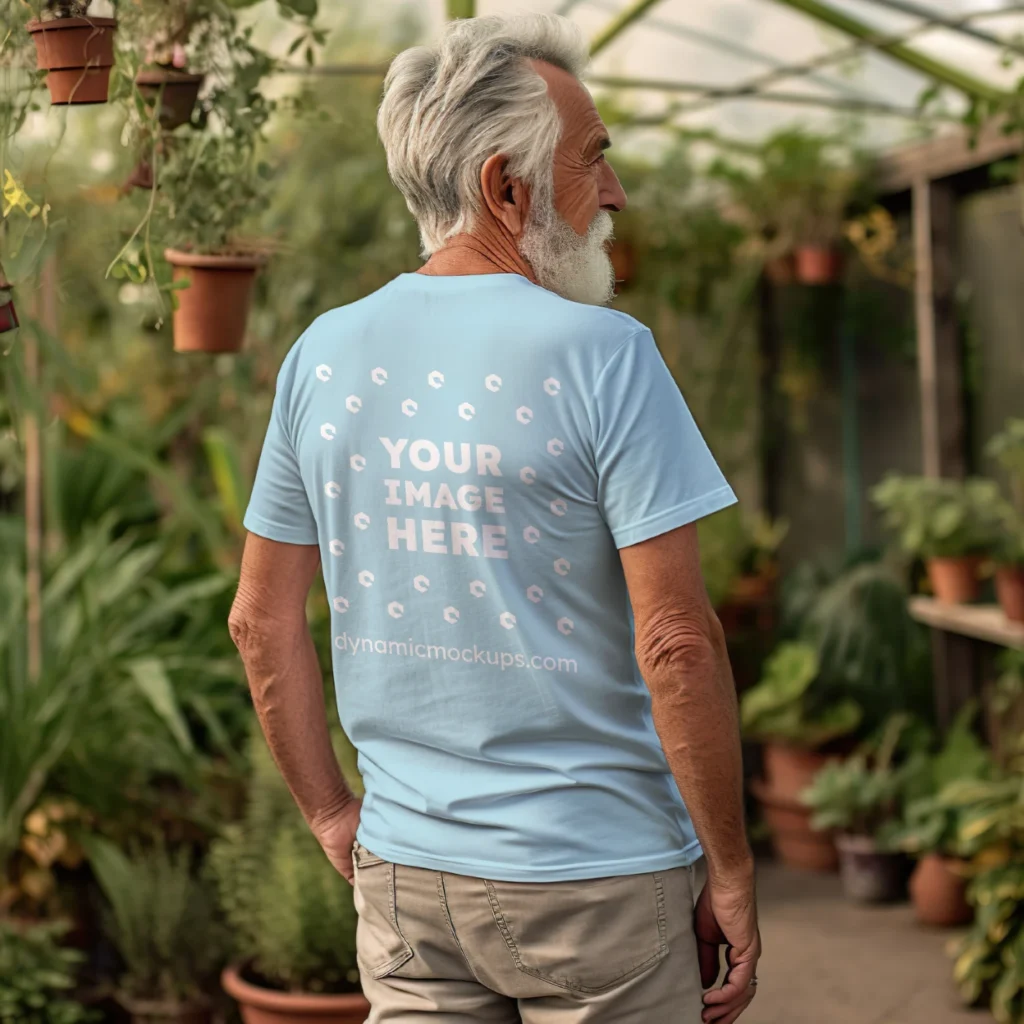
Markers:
(852, 483)
(619, 23)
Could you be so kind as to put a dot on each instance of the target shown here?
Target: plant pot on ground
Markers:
(291, 913)
(162, 922)
(933, 820)
(783, 712)
(76, 50)
(951, 524)
(859, 799)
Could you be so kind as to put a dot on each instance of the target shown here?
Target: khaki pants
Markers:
(436, 948)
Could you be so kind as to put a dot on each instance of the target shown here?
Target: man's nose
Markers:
(612, 195)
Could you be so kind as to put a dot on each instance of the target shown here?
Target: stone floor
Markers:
(829, 962)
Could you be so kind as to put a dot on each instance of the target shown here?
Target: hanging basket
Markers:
(213, 309)
(819, 264)
(78, 53)
(176, 91)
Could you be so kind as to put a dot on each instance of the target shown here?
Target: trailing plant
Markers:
(787, 707)
(1007, 448)
(290, 911)
(941, 518)
(38, 976)
(865, 793)
(162, 920)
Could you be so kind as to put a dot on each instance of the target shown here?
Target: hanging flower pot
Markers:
(819, 264)
(8, 314)
(212, 310)
(176, 92)
(1009, 589)
(78, 53)
(955, 580)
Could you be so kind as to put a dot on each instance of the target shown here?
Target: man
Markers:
(500, 480)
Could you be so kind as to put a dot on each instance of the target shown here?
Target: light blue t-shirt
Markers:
(469, 453)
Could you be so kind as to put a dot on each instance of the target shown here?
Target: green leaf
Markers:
(155, 686)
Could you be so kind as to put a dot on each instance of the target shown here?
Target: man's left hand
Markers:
(337, 835)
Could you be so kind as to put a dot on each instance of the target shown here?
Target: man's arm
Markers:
(681, 652)
(269, 628)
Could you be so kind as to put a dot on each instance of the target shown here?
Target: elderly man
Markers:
(501, 480)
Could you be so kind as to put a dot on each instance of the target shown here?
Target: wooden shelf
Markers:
(979, 621)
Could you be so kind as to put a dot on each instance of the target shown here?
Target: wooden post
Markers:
(943, 421)
(940, 365)
(769, 355)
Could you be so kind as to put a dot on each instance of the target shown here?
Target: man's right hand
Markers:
(726, 914)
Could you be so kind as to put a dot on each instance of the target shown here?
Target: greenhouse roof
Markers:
(744, 68)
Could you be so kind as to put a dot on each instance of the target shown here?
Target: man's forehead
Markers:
(574, 102)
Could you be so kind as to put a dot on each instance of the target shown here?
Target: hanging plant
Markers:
(75, 49)
(8, 314)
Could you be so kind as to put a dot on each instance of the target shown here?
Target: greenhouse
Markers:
(307, 372)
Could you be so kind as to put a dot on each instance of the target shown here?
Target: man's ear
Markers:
(506, 199)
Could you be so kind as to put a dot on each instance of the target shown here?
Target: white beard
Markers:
(577, 267)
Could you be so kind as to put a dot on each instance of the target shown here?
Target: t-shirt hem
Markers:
(673, 518)
(681, 858)
(255, 523)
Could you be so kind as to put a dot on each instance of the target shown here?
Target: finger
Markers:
(737, 981)
(729, 1012)
(731, 1016)
(708, 959)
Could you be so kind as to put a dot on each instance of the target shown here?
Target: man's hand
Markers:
(337, 835)
(727, 915)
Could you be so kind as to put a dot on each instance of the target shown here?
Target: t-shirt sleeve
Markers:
(655, 472)
(279, 506)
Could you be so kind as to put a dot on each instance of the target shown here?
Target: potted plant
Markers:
(857, 800)
(76, 49)
(207, 186)
(951, 524)
(162, 922)
(291, 913)
(38, 975)
(1007, 448)
(795, 724)
(932, 826)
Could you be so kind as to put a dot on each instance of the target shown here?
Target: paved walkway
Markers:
(829, 962)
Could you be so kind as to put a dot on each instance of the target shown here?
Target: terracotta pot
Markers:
(78, 53)
(788, 771)
(1009, 588)
(212, 311)
(868, 874)
(955, 580)
(8, 316)
(177, 92)
(794, 842)
(819, 264)
(938, 892)
(781, 270)
(266, 1006)
(152, 1011)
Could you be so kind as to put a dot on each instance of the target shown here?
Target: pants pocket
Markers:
(380, 946)
(585, 936)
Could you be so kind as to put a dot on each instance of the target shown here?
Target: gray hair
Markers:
(448, 108)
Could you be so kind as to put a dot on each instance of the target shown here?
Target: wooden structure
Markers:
(935, 174)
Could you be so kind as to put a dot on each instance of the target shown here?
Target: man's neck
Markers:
(478, 253)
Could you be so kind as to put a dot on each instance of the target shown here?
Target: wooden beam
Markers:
(940, 366)
(951, 153)
(619, 23)
(978, 621)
